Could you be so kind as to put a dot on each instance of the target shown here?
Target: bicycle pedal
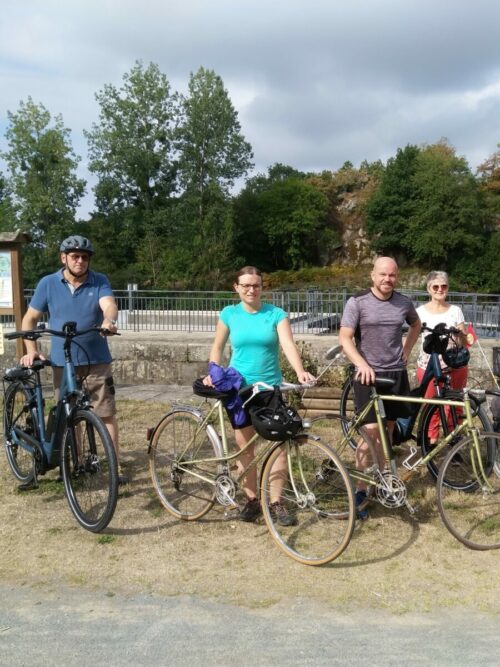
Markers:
(412, 510)
(232, 513)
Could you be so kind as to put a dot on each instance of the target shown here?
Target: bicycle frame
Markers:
(226, 457)
(376, 402)
(221, 444)
(49, 446)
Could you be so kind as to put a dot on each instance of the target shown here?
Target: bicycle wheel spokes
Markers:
(307, 500)
(330, 428)
(185, 489)
(436, 423)
(90, 471)
(18, 413)
(471, 513)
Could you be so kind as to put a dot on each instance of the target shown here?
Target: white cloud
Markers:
(315, 83)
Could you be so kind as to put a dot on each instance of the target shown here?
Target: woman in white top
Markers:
(434, 312)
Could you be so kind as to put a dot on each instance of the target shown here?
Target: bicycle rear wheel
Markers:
(470, 512)
(313, 489)
(445, 425)
(90, 471)
(186, 490)
(19, 412)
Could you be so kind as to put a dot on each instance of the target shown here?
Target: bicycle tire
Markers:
(18, 411)
(317, 493)
(90, 471)
(346, 407)
(178, 439)
(481, 421)
(471, 513)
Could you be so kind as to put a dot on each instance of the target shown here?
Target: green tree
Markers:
(448, 217)
(213, 154)
(393, 203)
(131, 149)
(212, 149)
(489, 177)
(41, 162)
(7, 212)
(42, 179)
(281, 221)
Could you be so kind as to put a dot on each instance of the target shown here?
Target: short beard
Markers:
(76, 275)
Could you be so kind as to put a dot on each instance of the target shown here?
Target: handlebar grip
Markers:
(28, 335)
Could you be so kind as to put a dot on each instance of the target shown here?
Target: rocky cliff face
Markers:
(355, 249)
(355, 245)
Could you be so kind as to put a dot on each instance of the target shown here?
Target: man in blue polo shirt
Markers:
(77, 294)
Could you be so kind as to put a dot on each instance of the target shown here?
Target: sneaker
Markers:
(251, 510)
(122, 477)
(361, 503)
(281, 515)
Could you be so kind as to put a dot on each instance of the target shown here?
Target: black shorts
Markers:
(393, 409)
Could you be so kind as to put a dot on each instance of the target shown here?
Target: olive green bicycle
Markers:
(468, 483)
(192, 468)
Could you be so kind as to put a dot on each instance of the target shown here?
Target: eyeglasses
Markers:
(75, 257)
(435, 288)
(247, 288)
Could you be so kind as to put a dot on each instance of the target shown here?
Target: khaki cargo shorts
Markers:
(98, 383)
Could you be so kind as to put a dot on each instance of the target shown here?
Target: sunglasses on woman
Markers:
(435, 288)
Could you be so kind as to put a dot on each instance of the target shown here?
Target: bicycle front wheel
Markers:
(471, 510)
(182, 478)
(19, 412)
(307, 500)
(436, 423)
(347, 409)
(90, 471)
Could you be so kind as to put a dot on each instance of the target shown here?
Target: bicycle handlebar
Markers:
(283, 387)
(67, 332)
(441, 329)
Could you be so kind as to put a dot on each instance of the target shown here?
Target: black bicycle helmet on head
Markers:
(76, 242)
(276, 423)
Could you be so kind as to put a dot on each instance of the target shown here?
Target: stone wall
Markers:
(178, 358)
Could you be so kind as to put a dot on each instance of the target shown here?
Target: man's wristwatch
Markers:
(113, 322)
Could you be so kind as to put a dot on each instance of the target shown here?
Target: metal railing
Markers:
(310, 311)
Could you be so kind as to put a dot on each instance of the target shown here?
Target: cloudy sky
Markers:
(315, 83)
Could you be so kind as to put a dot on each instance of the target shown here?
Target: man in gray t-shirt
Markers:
(371, 337)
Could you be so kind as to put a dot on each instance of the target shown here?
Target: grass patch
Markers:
(411, 562)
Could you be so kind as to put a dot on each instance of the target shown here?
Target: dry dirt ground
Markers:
(394, 562)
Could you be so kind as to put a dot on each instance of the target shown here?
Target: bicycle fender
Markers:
(177, 408)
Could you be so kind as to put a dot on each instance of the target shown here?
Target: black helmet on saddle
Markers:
(76, 242)
(276, 423)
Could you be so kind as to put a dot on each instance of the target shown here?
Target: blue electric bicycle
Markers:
(72, 438)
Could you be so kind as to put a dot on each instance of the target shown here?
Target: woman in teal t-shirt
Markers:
(255, 331)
